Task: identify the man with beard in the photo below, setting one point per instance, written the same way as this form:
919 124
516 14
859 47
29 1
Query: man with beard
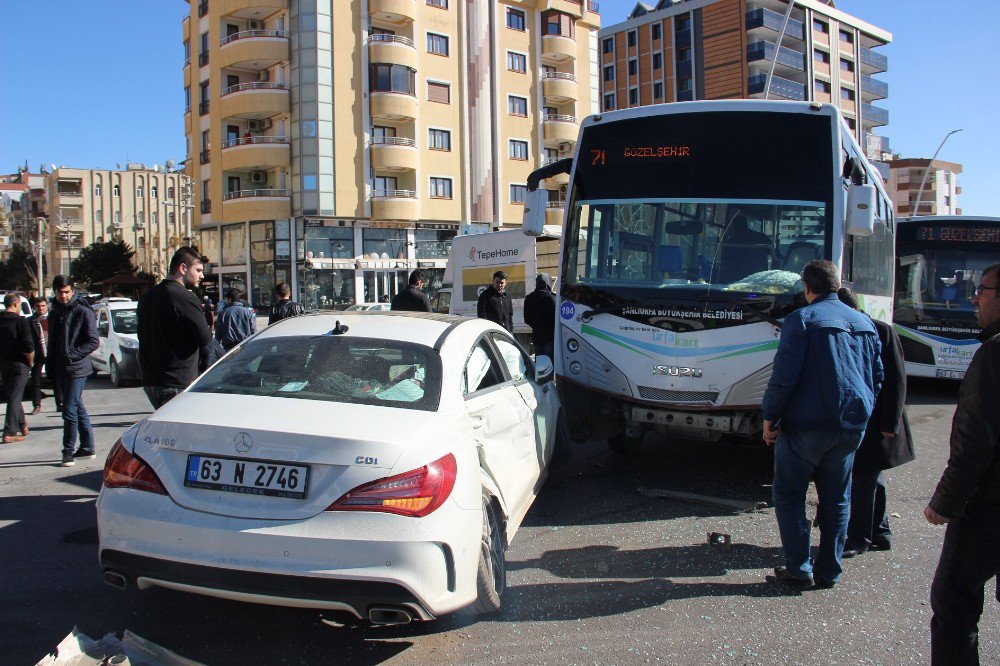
172 329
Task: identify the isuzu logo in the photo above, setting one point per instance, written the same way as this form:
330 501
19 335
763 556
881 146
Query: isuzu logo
676 371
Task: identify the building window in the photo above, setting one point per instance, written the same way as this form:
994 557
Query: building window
851 123
821 56
392 78
633 97
388 243
847 94
518 150
438 92
138 192
609 73
117 217
820 26
437 44
153 191
557 23
609 102
846 37
633 67
822 87
517 106
515 19
98 217
684 84
846 65
631 38
682 23
97 190
517 62
609 45
440 4
116 191
656 30
154 218
440 188
683 54
518 193
657 90
439 139
170 193
657 61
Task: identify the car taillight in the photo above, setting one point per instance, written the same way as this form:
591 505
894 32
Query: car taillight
415 493
124 470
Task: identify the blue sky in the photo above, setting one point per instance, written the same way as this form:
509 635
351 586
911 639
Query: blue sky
101 84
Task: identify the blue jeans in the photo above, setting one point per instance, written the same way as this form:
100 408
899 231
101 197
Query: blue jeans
827 459
76 421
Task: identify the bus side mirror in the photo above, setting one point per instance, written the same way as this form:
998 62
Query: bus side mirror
535 202
860 210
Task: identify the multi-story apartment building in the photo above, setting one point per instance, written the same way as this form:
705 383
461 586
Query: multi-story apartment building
338 145
683 50
148 208
941 189
23 202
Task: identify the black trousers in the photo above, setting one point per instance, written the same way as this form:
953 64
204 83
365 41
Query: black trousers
869 521
15 378
970 557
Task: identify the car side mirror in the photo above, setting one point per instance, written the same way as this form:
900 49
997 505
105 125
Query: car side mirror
543 369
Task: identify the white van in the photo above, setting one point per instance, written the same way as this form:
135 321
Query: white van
117 327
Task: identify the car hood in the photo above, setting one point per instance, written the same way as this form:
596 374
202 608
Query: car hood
344 446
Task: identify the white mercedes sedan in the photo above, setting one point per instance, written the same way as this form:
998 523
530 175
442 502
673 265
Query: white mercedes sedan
376 463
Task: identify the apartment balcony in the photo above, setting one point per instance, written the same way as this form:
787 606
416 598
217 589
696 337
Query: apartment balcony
250 9
393 49
767 21
394 153
254 100
780 88
187 120
873 115
393 11
393 105
559 127
572 7
789 62
556 48
254 49
872 89
187 73
560 87
873 62
256 153
262 204
395 205
186 28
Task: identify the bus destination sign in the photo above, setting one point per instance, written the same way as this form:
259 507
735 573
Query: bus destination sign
959 234
617 155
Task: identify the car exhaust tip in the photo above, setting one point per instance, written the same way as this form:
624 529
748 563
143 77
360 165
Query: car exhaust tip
115 579
388 615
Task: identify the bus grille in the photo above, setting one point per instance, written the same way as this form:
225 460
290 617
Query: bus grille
916 352
650 393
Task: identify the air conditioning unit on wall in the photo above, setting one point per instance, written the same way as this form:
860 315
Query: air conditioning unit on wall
253 125
255 25
258 177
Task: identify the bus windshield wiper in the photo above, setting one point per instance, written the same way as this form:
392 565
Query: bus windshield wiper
604 309
745 306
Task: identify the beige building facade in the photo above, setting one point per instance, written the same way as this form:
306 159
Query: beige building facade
337 146
941 189
148 208
675 51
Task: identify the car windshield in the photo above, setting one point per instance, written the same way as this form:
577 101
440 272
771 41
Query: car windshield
332 368
124 321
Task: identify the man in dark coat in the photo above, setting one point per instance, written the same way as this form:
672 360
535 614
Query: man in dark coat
40 334
284 307
887 443
236 323
540 315
172 329
968 496
495 304
412 299
17 354
72 338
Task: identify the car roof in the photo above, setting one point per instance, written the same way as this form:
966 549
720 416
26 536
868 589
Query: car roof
116 303
422 328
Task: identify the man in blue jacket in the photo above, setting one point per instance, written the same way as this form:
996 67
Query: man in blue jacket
72 337
827 372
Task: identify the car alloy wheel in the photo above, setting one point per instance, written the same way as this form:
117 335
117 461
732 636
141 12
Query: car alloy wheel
491 578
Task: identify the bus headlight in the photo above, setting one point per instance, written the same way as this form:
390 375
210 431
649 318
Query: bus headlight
576 367
573 345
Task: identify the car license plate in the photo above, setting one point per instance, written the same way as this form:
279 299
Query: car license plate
249 477
950 374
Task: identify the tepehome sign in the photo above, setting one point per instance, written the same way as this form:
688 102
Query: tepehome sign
475 254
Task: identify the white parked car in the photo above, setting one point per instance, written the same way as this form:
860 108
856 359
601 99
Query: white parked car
118 353
379 466
368 307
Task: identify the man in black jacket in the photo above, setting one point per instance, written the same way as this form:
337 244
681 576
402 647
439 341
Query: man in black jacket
887 443
495 304
172 329
17 354
40 334
412 299
284 306
540 315
72 338
968 495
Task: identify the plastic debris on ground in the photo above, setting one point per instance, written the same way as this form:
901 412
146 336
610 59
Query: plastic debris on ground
78 649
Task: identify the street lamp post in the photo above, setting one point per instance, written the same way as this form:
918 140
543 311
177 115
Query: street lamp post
39 231
923 181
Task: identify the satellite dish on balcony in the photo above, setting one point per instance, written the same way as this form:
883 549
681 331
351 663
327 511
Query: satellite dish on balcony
52 167
171 164
374 255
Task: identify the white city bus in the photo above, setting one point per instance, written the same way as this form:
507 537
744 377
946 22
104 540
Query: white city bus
685 231
940 262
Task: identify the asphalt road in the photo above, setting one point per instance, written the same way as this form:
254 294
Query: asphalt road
599 573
